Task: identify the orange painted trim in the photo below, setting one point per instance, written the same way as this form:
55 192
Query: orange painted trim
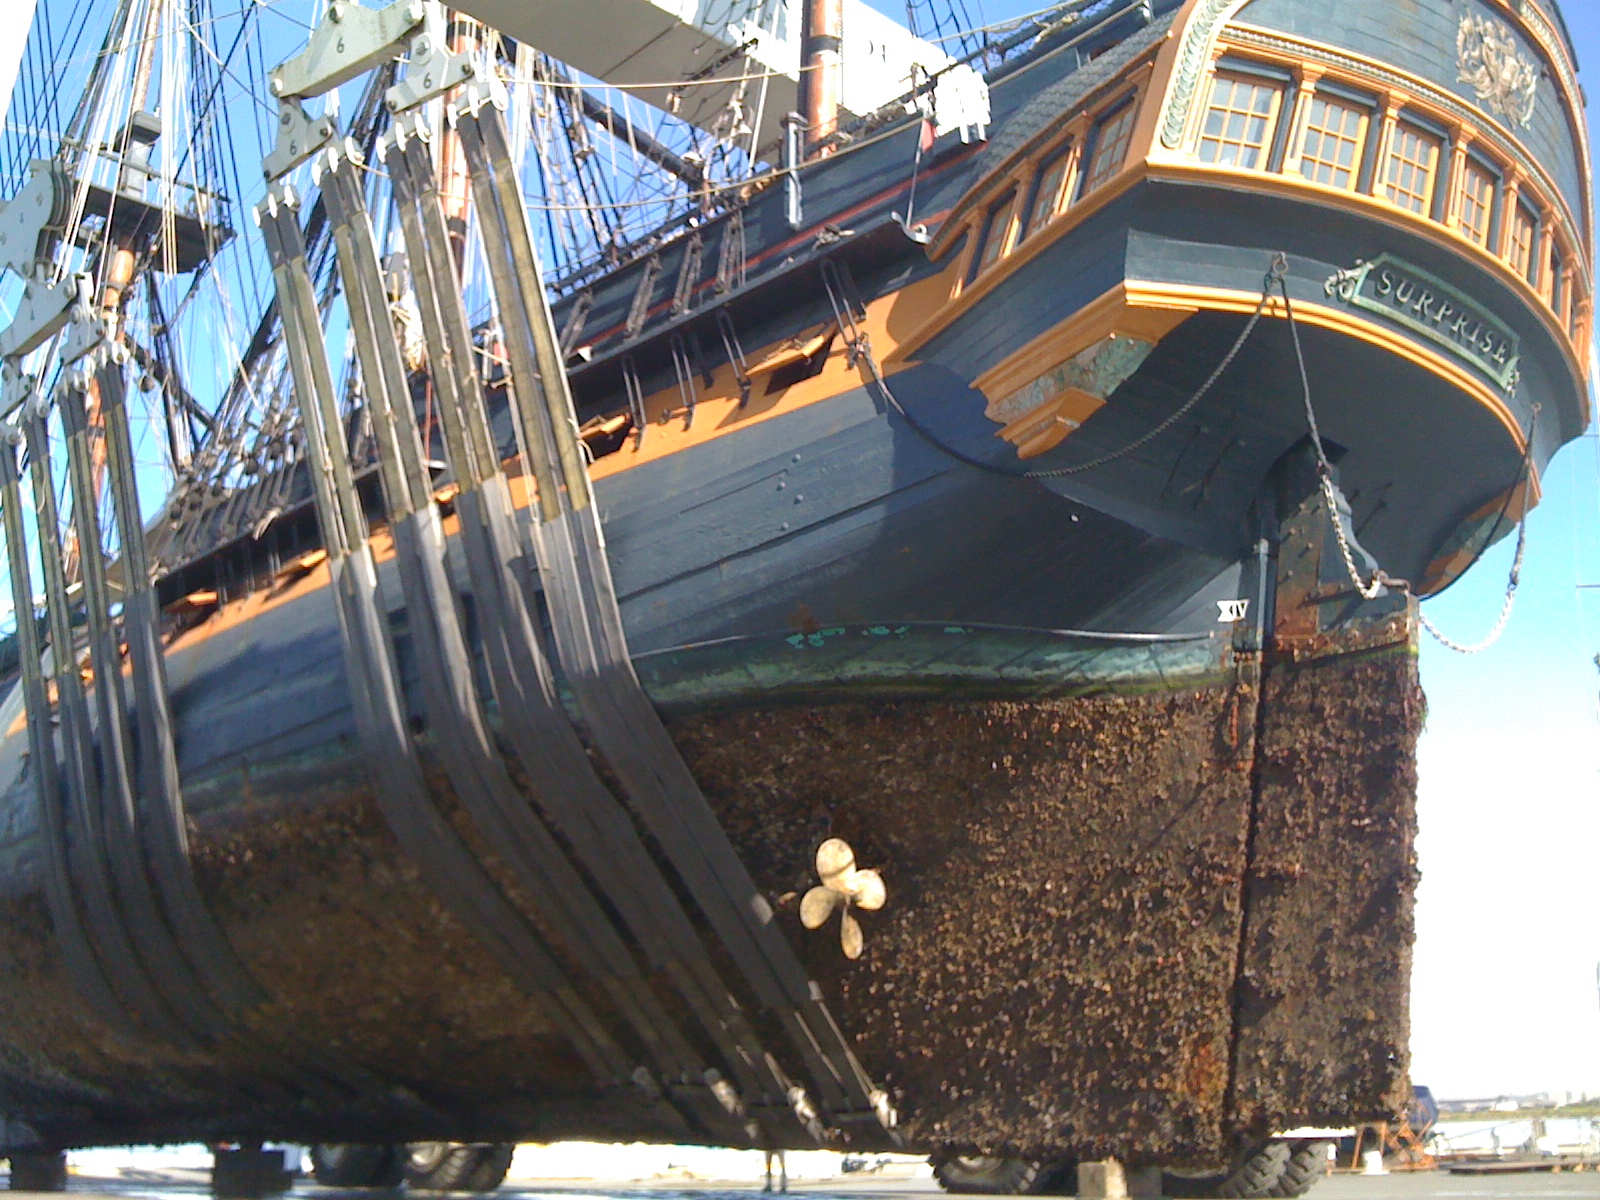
1515 503
967 214
971 293
1112 312
1543 34
717 414
1338 320
717 411
1190 172
1425 97
1379 209
809 234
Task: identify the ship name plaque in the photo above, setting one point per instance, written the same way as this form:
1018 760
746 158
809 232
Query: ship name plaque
1424 304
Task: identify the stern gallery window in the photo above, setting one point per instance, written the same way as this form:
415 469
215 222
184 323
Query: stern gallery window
1331 152
1239 123
1413 163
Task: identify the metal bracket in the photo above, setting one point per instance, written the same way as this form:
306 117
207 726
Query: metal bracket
349 41
90 343
433 68
29 219
300 135
15 388
42 311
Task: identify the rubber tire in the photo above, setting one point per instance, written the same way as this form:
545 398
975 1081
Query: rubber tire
358 1164
491 1170
977 1175
1308 1162
458 1166
1252 1178
38 1171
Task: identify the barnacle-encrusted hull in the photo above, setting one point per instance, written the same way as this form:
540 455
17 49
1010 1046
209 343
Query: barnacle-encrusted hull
1136 913
1149 893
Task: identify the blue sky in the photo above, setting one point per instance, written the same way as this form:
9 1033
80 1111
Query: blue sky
1508 920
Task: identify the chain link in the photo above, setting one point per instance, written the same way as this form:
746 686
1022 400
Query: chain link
1373 588
1276 277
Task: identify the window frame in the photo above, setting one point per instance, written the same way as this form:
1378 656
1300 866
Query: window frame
1556 286
1440 139
1269 151
1497 182
1006 203
1061 156
1086 183
1365 109
1529 274
1415 153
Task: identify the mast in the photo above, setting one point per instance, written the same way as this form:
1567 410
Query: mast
821 40
120 250
454 186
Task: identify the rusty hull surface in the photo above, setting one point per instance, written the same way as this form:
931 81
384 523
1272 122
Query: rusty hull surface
1114 928
1076 886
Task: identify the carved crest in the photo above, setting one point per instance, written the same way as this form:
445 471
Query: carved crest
1503 77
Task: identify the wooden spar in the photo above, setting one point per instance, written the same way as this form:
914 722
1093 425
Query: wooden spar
120 262
821 69
454 190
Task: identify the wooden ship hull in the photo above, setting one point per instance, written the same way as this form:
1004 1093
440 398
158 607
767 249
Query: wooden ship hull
911 552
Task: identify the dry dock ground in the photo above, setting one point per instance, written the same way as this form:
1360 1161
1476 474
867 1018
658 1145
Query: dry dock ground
191 1185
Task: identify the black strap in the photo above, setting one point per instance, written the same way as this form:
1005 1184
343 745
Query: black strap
156 943
162 826
77 948
449 866
588 631
564 782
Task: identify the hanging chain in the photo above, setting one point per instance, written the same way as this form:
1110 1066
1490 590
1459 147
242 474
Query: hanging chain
860 348
1373 588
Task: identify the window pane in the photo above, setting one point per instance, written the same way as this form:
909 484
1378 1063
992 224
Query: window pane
1413 159
999 229
1110 147
1238 126
1477 203
1524 236
1333 136
1046 195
